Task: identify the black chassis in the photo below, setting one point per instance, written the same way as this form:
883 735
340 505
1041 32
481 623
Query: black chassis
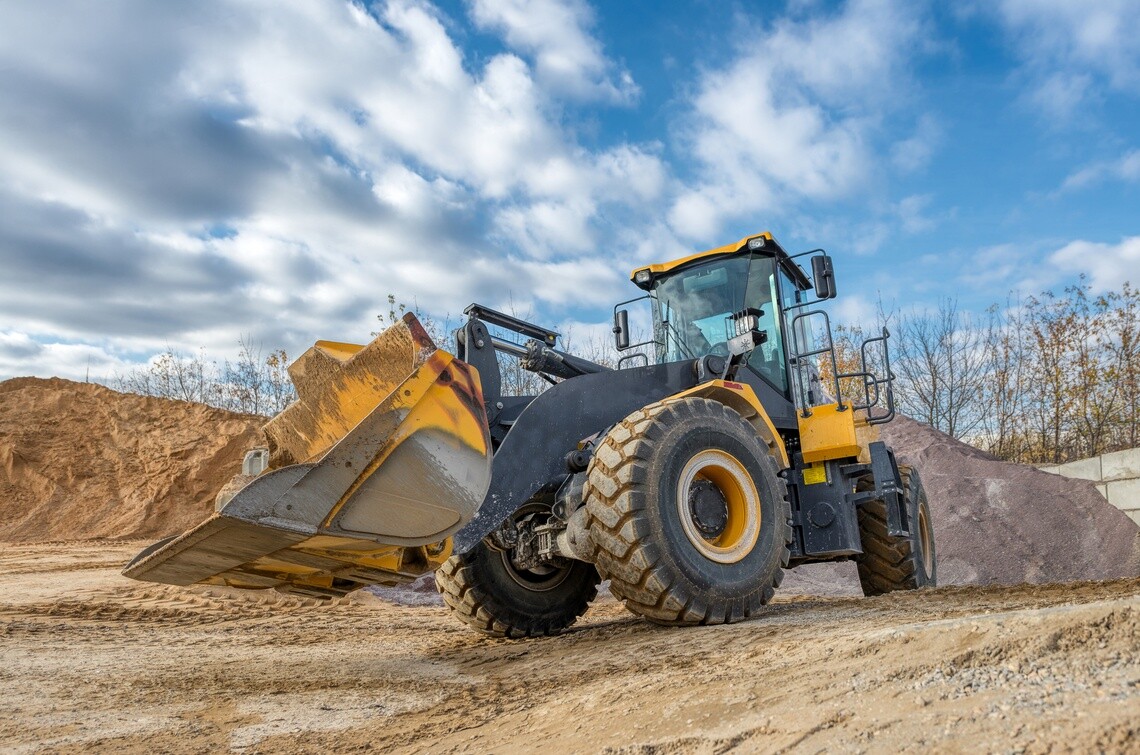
541 443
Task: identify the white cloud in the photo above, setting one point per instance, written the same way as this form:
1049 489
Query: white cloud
1073 50
794 116
915 215
275 170
74 361
555 33
546 228
996 266
854 310
1124 168
1107 265
1059 95
914 153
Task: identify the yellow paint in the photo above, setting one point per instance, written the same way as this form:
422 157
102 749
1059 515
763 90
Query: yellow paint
742 398
735 499
815 475
828 434
342 554
388 391
866 434
427 400
338 385
664 267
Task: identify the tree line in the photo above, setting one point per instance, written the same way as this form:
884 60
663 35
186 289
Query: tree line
252 384
1038 379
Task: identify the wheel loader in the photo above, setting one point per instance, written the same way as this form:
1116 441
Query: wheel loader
727 446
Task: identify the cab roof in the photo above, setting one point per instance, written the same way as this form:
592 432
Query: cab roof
767 244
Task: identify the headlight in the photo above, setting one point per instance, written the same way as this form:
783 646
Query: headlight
747 320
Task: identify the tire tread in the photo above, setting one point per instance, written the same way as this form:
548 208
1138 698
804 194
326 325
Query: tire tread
617 496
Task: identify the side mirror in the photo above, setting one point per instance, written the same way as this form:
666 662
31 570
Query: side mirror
621 329
824 275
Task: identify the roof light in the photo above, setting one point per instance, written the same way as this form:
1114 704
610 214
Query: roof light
757 243
641 277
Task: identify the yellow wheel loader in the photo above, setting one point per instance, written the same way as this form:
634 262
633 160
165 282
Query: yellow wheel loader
712 457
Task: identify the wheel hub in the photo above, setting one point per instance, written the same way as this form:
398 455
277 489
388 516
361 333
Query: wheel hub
719 506
709 509
522 561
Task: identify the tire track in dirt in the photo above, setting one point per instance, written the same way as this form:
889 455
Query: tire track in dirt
129 667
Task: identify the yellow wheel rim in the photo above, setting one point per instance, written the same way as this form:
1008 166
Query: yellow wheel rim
926 540
742 503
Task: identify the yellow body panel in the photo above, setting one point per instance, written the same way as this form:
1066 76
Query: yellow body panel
332 554
427 401
828 434
664 267
742 398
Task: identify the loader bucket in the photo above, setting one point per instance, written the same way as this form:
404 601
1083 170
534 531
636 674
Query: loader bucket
383 456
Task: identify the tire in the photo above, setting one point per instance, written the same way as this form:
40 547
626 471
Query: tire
662 560
897 563
485 591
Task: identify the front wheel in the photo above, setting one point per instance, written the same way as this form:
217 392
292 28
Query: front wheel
688 514
898 563
488 591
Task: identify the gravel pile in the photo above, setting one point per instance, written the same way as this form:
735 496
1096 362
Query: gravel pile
997 522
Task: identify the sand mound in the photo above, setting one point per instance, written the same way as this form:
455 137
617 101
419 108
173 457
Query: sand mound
80 461
999 523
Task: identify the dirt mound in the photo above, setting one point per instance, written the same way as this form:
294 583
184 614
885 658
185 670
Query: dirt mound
996 522
999 523
79 461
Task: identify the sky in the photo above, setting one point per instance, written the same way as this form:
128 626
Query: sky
185 175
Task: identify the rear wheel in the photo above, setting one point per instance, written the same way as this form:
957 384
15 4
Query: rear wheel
487 590
688 513
898 563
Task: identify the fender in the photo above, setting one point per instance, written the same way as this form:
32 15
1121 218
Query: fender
534 451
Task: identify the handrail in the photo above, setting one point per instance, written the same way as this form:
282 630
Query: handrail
829 349
873 393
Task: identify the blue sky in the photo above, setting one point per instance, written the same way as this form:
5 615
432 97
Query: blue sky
186 174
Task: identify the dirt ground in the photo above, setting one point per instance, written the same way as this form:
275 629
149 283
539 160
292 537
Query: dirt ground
92 661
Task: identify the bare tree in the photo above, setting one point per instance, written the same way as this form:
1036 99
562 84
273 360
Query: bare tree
1122 344
1007 381
174 374
941 365
396 311
250 384
256 385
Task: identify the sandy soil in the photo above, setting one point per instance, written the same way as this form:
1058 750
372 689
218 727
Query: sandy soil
90 660
79 461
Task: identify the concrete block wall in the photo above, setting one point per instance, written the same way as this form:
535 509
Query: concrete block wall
1117 476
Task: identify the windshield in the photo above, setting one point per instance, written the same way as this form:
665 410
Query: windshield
693 314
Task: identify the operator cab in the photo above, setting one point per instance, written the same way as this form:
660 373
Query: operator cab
698 301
